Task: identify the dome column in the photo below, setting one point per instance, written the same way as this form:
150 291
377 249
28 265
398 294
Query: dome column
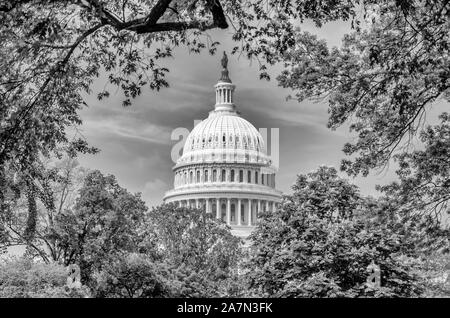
239 213
249 219
208 206
228 211
217 208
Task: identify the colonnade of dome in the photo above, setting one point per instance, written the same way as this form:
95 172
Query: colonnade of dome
211 173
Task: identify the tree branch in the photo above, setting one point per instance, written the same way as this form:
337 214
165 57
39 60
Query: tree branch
149 23
157 11
171 26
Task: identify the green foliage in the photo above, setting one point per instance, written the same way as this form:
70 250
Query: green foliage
197 245
318 244
56 189
325 194
193 237
386 74
424 175
435 272
183 253
90 221
22 278
138 275
132 276
122 249
105 220
300 252
382 80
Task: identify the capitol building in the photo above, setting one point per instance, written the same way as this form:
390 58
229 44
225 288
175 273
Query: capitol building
224 168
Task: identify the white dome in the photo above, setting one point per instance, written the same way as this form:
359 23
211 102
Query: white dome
224 169
224 137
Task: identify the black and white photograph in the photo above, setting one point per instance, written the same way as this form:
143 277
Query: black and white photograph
224 155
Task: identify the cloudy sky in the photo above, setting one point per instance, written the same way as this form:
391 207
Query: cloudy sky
135 142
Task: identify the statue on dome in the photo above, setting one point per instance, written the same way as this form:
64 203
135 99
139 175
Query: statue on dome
224 60
225 77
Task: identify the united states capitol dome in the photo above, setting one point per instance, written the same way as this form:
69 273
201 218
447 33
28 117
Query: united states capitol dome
224 137
225 169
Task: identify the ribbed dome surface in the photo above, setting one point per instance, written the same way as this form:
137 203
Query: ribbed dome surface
224 137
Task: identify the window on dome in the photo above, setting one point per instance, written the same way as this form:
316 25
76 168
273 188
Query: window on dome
256 177
191 177
224 212
241 176
262 178
232 175
224 175
223 139
206 175
198 176
249 176
214 175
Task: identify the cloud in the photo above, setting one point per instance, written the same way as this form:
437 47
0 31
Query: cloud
127 129
151 186
153 191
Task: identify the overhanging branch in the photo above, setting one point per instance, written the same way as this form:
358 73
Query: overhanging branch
149 24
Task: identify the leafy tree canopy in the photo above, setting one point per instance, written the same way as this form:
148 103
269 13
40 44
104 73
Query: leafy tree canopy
196 241
381 81
184 253
300 251
424 175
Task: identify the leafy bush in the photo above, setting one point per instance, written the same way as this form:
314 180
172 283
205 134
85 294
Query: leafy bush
22 278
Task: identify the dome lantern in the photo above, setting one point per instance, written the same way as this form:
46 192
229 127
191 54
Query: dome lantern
224 89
